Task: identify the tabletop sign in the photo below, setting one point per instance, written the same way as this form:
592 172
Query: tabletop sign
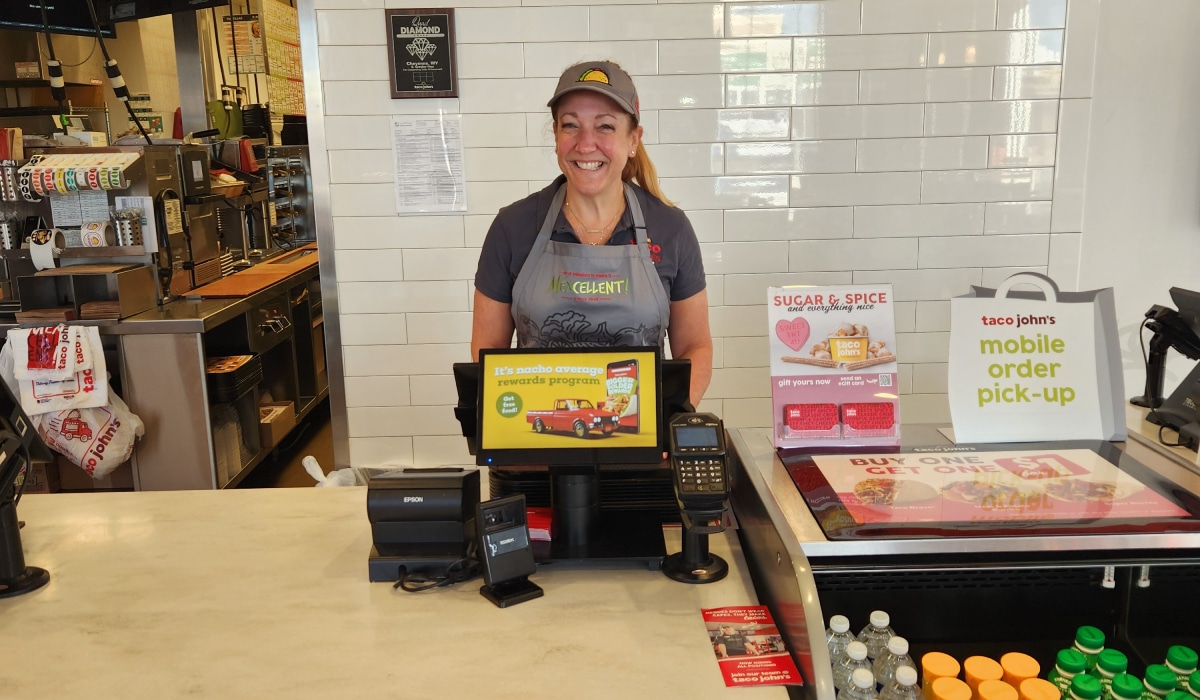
833 365
421 50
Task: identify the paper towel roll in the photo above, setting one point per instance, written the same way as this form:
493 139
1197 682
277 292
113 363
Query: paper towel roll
45 244
97 234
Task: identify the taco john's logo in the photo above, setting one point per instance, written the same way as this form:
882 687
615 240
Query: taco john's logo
593 75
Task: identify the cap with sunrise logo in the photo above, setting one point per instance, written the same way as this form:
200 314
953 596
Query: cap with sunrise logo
604 77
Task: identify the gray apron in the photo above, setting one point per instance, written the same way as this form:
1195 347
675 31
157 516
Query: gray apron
572 295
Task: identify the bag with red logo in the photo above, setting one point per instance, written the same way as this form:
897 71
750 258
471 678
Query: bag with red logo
50 352
97 439
43 390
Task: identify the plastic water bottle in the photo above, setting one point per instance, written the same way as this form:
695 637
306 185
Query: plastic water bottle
1181 660
854 659
876 634
1109 663
1089 641
838 637
903 685
896 656
862 686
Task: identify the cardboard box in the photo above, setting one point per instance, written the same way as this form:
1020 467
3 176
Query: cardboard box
72 477
79 95
42 478
275 419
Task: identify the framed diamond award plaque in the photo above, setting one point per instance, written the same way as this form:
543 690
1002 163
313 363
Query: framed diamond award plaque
421 51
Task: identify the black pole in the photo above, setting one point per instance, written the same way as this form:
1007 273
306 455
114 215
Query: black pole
15 577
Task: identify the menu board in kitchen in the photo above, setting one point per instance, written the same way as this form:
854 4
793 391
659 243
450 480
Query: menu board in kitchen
833 366
1046 488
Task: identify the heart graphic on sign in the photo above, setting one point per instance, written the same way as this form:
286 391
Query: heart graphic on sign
793 333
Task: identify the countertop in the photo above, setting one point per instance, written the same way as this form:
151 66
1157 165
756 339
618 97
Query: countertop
264 594
197 315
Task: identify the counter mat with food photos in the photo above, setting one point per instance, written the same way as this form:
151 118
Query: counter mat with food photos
990 490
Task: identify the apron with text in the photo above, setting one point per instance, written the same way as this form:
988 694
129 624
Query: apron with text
573 295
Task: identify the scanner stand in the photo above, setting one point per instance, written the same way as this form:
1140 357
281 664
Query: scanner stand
511 592
695 564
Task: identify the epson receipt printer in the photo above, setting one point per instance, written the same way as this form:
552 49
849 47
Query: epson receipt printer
421 519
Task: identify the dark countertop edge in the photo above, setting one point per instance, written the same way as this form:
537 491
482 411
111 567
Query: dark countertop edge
206 314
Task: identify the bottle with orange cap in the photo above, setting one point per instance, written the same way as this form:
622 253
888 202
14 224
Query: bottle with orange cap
977 669
1041 689
935 665
1018 667
995 690
948 689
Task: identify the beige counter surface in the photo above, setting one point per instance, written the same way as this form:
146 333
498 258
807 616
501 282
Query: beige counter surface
264 594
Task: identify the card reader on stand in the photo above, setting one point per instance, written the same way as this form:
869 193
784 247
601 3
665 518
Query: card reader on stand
421 519
702 490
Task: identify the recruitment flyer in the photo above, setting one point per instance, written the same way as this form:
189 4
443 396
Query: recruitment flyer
749 647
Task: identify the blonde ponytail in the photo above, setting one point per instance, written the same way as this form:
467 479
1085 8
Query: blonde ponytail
641 170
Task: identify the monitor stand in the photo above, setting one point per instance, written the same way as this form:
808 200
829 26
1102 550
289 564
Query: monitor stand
581 531
1179 411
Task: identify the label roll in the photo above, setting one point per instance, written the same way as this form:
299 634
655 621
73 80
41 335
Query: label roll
45 245
97 234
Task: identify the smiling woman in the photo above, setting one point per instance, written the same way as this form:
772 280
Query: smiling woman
600 258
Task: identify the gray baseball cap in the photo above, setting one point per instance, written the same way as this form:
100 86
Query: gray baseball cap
604 77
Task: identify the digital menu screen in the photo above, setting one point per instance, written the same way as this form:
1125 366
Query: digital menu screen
1043 489
595 399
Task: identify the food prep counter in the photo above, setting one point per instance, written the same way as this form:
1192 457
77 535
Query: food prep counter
988 591
195 439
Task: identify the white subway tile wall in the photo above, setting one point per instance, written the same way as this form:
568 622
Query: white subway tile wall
928 144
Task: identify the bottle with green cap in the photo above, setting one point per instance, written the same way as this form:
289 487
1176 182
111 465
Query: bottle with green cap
1159 681
1068 664
1179 695
1125 686
1085 687
1109 663
1181 660
1089 641
1194 684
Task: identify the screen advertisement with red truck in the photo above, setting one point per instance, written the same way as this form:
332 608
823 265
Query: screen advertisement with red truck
562 399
